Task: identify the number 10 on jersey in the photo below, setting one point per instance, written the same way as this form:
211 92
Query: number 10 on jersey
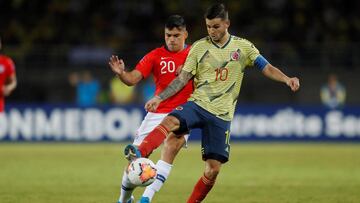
221 74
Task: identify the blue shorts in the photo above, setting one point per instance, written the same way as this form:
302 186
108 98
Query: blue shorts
215 131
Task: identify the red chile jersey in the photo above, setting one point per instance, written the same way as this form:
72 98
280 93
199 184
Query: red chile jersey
7 68
163 65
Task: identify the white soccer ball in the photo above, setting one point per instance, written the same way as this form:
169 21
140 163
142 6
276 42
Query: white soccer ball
142 172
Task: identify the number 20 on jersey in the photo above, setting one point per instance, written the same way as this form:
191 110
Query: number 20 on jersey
167 67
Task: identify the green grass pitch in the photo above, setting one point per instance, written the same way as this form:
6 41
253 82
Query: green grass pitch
256 173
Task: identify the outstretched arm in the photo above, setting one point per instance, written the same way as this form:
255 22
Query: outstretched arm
275 74
176 85
118 67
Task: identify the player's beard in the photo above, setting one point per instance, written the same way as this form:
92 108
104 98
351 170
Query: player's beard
173 47
218 38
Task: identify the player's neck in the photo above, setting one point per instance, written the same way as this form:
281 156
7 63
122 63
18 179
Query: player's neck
183 47
223 40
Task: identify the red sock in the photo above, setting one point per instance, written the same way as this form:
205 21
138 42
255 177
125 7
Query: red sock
153 140
201 189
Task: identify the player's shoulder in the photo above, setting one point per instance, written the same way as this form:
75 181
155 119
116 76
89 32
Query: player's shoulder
156 52
201 43
241 40
6 59
243 43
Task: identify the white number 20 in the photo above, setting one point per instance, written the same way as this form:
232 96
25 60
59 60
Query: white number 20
168 66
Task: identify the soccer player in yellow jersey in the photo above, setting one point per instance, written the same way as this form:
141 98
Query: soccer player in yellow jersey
216 63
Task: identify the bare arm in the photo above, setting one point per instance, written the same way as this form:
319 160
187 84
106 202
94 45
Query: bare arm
118 67
275 74
176 85
130 78
10 85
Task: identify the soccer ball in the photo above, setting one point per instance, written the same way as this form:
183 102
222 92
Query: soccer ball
142 172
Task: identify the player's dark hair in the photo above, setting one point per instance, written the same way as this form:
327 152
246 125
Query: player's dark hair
175 21
217 11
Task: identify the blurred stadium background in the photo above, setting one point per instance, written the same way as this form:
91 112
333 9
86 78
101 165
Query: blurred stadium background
53 39
50 39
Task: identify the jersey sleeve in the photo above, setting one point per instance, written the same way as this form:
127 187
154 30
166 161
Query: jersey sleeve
145 65
190 64
10 67
251 53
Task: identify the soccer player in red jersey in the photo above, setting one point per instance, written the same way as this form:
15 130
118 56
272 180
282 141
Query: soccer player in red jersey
7 78
163 63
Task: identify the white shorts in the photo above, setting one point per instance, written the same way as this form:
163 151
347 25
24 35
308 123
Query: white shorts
150 121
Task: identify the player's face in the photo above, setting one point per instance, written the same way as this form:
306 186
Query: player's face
217 28
175 39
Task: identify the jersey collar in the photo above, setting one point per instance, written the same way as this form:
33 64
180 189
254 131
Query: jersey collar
165 46
221 47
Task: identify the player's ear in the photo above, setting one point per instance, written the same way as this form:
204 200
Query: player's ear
186 34
227 23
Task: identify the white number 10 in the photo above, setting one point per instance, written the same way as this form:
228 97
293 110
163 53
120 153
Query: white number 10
167 67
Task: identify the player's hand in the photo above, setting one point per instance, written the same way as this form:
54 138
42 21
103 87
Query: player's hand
117 65
152 104
293 83
6 91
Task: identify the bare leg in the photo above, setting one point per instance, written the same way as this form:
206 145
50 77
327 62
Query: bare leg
172 146
206 182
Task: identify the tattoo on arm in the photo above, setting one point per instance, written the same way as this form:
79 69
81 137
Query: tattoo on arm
176 85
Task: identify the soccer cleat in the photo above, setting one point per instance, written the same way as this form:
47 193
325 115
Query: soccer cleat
131 200
144 200
132 152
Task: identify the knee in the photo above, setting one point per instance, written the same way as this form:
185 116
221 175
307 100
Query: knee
171 123
211 171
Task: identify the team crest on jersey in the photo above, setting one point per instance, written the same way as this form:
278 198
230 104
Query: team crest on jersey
235 55
2 69
179 108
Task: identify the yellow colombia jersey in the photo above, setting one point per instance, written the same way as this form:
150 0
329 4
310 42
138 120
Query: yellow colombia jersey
218 73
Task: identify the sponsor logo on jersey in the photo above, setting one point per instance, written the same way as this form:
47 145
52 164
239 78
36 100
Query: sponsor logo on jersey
163 58
179 108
